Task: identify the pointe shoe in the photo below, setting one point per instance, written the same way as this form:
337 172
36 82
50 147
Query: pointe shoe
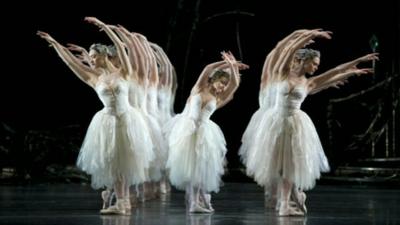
105 195
117 209
196 208
113 210
208 202
289 210
302 201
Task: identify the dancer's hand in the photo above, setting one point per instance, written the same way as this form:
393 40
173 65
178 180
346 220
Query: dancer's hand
75 48
322 34
46 37
363 71
95 21
369 57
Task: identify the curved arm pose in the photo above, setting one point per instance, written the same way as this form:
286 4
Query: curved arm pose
282 137
196 144
114 153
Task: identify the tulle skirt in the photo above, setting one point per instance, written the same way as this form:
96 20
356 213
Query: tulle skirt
285 145
115 147
248 135
196 153
160 148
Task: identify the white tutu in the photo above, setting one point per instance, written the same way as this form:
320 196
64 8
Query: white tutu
117 143
267 100
196 147
164 105
160 149
285 144
146 101
160 144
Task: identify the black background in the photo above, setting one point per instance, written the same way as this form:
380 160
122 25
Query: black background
39 92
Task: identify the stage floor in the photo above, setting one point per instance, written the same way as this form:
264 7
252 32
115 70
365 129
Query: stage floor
237 203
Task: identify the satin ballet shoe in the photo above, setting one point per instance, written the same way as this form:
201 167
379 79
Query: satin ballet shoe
289 211
105 195
208 202
196 208
118 209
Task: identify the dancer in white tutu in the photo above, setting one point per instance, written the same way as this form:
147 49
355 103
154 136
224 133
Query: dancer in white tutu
197 144
117 149
144 94
166 90
281 145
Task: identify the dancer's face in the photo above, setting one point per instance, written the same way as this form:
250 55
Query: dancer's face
97 59
220 85
311 65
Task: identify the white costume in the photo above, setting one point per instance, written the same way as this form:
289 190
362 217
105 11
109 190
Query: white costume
117 143
281 140
197 147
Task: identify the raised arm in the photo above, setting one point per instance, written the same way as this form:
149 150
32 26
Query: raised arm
340 73
283 64
121 52
126 38
162 70
153 71
81 53
234 81
139 54
166 71
273 56
85 73
202 81
334 85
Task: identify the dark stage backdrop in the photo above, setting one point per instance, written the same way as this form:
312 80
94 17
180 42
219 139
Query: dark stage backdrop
42 100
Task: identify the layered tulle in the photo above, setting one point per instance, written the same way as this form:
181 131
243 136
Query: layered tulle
196 154
267 100
160 148
288 147
197 148
281 141
116 146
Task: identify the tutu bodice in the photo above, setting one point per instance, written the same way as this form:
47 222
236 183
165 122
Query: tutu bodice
289 101
137 95
117 143
113 95
200 113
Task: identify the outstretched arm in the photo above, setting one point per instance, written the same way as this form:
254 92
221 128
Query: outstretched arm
334 85
166 69
86 74
138 54
283 63
126 38
273 56
83 55
153 71
340 73
122 55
